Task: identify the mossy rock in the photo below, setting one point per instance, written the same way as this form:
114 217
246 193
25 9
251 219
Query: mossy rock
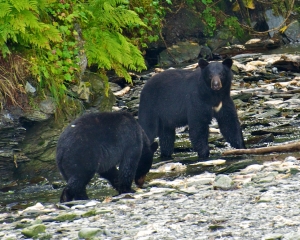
34 230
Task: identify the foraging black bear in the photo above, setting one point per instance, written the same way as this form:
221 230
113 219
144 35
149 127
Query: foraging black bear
175 98
97 143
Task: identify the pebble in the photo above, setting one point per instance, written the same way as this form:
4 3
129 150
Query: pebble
204 206
258 202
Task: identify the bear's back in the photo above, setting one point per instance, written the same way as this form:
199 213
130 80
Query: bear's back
93 132
173 84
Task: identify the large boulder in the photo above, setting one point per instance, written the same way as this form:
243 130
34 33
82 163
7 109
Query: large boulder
179 53
293 32
181 25
273 21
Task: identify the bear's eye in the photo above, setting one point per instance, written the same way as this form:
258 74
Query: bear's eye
221 74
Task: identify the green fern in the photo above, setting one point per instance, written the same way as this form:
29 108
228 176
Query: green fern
44 30
105 45
5 9
20 24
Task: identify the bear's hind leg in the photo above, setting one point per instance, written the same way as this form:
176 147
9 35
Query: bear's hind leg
75 189
166 141
199 137
66 195
112 175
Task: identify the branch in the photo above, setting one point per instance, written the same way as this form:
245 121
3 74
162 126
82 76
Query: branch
290 147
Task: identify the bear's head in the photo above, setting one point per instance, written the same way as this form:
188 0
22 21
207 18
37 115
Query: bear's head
145 163
216 75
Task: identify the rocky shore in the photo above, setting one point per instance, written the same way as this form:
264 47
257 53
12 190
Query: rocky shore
254 198
260 201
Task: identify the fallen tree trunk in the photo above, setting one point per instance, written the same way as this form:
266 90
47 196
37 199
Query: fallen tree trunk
290 147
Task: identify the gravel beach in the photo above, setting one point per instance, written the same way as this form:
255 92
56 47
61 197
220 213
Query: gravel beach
258 202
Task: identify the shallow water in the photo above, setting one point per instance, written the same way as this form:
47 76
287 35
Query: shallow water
293 48
27 193
24 192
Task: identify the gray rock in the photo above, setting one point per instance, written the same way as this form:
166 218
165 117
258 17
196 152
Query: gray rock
114 87
179 53
273 21
292 236
273 236
291 159
265 178
293 31
48 106
29 88
34 231
223 182
89 233
36 115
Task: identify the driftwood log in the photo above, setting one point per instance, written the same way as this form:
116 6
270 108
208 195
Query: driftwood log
290 147
122 92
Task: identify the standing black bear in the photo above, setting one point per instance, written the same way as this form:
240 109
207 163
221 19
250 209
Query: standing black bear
175 98
96 143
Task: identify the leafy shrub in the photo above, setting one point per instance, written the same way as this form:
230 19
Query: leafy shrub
53 35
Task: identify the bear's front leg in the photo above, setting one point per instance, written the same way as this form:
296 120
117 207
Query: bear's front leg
229 124
127 169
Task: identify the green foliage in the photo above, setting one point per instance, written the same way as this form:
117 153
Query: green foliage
206 2
210 19
19 24
214 17
105 44
54 34
207 14
152 13
192 2
56 68
279 7
297 9
232 23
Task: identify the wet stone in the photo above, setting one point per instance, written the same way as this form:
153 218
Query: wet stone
273 236
223 182
269 113
88 233
34 231
265 178
247 197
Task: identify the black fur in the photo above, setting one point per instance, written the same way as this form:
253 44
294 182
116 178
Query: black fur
176 98
97 143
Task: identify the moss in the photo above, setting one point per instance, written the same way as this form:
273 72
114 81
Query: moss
34 230
90 213
66 217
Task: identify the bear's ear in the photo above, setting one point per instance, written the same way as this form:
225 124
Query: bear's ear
228 62
202 63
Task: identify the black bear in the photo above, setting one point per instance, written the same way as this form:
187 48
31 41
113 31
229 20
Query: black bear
97 143
179 97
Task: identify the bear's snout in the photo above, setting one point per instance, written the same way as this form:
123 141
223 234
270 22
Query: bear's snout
216 83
